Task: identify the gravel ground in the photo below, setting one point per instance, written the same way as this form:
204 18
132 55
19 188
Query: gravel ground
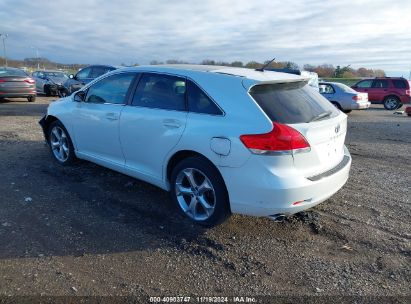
86 230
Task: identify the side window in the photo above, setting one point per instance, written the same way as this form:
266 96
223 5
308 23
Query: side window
35 74
400 84
98 71
365 84
380 83
112 89
83 74
327 89
199 102
161 92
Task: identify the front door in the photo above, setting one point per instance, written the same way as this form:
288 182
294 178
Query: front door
96 120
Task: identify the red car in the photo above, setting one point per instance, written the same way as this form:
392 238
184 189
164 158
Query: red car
392 92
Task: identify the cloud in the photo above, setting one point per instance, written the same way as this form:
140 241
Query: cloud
371 33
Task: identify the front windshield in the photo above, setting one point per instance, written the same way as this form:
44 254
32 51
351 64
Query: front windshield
55 74
345 88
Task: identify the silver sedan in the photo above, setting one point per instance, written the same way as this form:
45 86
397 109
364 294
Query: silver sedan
343 97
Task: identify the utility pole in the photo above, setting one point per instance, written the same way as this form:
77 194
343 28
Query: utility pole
4 36
37 56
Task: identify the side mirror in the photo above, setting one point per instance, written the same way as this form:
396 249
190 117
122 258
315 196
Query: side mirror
79 96
71 76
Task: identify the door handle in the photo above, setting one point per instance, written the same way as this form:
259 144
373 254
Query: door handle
112 116
172 123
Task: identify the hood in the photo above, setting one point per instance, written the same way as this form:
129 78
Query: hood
56 80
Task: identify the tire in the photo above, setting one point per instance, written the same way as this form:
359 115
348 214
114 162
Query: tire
61 146
63 92
347 111
204 199
337 105
399 106
31 98
391 103
47 90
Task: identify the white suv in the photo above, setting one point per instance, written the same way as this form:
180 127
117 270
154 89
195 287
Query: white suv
222 140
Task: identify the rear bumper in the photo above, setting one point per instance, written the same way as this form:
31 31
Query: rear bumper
17 95
405 99
266 191
361 105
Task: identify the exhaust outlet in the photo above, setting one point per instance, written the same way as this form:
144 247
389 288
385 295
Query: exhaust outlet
278 218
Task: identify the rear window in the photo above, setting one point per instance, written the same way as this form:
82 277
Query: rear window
345 88
291 103
12 72
400 84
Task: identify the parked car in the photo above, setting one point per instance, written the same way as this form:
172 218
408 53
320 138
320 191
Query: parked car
49 82
15 83
343 97
84 76
392 92
222 140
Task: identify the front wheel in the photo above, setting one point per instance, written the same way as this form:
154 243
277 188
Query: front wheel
198 189
60 143
63 92
391 103
31 98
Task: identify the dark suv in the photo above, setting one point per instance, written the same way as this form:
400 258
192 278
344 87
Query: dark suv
392 92
84 76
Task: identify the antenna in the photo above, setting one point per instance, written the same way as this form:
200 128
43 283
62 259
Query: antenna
265 65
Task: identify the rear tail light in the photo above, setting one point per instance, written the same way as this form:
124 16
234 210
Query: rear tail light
30 80
2 80
408 92
357 97
282 139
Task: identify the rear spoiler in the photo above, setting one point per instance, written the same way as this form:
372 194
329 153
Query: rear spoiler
250 83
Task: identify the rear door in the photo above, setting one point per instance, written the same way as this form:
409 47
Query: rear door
379 90
96 120
153 123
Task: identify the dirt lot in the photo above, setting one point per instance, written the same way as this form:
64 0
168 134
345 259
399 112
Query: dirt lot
86 230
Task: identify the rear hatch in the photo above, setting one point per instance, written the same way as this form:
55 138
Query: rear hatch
304 109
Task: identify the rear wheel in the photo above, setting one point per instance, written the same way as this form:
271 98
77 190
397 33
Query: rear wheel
60 143
391 103
31 98
337 105
198 190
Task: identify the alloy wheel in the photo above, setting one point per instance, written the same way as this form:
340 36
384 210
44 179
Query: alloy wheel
391 103
195 194
59 144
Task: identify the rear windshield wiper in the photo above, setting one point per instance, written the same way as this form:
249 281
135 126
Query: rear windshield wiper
320 116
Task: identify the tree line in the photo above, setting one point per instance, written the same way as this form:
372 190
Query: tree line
323 70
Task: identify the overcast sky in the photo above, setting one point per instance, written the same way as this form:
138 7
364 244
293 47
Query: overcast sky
373 34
